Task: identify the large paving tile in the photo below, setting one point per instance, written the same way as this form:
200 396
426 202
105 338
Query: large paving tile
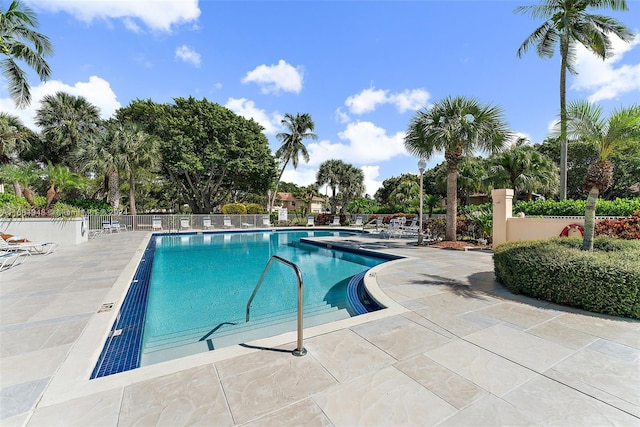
261 382
457 324
187 398
72 303
97 410
402 339
519 314
622 331
562 334
484 368
489 411
24 340
520 347
20 398
385 398
346 355
611 374
548 402
453 303
456 390
31 366
305 413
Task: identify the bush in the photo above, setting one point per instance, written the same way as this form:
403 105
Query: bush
617 207
623 228
605 280
234 209
90 206
254 208
327 219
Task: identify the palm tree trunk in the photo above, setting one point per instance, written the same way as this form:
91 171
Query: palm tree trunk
452 201
113 194
17 190
563 119
51 193
27 195
132 193
590 219
275 190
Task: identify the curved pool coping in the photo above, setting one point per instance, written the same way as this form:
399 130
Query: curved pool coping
72 381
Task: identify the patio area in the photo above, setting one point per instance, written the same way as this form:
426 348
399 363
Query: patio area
454 349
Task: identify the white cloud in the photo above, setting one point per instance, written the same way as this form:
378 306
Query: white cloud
188 55
300 176
158 16
341 116
97 91
273 78
601 78
248 109
363 142
370 183
369 99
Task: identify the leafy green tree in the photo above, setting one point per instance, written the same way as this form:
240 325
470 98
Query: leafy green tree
67 122
586 121
458 126
23 176
524 170
20 41
567 23
208 152
363 205
59 178
626 173
330 173
299 128
406 192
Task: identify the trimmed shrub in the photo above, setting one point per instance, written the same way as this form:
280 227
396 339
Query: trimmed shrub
234 209
254 208
617 207
327 219
605 280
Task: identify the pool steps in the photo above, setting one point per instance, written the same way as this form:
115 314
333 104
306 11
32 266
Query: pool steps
188 342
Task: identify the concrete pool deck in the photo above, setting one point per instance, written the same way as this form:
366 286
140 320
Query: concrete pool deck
455 349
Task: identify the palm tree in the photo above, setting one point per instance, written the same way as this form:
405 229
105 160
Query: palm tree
139 150
67 121
329 173
22 176
351 185
586 122
59 178
524 169
14 138
19 41
299 128
568 24
458 126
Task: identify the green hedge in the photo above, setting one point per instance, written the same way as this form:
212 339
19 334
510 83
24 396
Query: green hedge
617 207
605 280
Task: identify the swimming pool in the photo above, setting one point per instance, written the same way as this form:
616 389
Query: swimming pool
198 285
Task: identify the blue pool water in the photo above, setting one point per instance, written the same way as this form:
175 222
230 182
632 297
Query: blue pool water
197 287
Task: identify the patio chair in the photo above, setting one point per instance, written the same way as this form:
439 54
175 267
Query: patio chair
156 224
206 222
336 221
311 221
377 222
226 222
411 230
247 225
184 223
31 248
115 227
266 221
106 226
9 259
358 222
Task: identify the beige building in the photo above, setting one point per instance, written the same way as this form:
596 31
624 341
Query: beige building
292 203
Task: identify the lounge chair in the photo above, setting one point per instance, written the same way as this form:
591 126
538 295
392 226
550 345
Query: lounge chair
358 222
39 248
377 222
156 224
266 221
311 221
9 259
106 226
336 221
206 222
184 223
226 222
115 227
411 230
248 225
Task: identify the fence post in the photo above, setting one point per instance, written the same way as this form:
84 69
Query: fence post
502 211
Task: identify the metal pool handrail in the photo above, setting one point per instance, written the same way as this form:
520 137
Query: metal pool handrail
300 350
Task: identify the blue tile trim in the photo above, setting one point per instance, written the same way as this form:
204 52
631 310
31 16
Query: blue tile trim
352 293
121 352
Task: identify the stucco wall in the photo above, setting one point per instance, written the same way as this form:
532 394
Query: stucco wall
62 231
537 228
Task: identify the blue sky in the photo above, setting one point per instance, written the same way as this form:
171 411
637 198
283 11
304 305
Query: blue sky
360 68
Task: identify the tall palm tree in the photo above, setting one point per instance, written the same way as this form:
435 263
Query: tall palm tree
59 178
458 126
20 41
587 122
67 121
299 128
329 173
568 24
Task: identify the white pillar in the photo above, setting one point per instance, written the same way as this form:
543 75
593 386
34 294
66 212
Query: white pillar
502 211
